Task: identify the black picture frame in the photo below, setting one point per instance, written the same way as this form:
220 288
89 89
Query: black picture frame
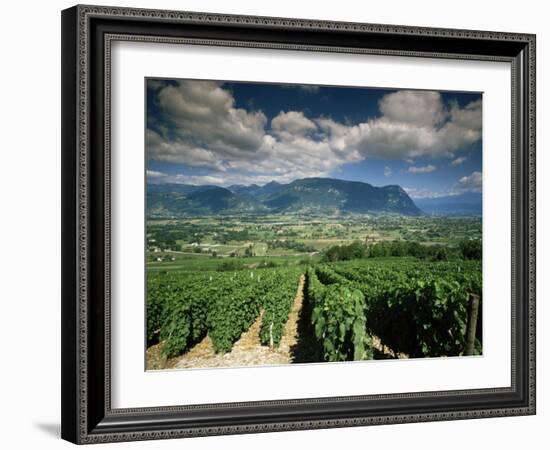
87 33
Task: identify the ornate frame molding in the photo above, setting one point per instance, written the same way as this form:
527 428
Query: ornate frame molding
86 421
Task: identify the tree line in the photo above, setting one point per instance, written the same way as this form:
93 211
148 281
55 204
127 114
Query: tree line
467 249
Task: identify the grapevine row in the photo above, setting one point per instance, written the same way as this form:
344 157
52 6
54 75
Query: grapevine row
338 318
278 302
416 309
183 309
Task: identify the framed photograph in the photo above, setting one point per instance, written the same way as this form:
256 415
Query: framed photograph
281 224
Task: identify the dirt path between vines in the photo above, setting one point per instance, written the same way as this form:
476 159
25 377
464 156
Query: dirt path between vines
384 352
247 351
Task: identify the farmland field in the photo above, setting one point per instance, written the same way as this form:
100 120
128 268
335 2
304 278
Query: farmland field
235 293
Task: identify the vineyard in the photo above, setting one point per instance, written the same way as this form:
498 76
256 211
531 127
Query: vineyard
351 310
417 309
182 309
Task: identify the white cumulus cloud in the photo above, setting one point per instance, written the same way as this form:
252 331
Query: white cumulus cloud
471 183
291 124
422 108
422 169
458 161
413 124
201 127
203 113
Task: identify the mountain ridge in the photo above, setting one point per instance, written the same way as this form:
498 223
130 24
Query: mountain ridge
305 195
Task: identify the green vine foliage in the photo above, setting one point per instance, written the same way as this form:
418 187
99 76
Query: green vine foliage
183 308
418 309
234 309
278 302
414 307
338 317
177 311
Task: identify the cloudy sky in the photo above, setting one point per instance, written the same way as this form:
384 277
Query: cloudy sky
206 132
